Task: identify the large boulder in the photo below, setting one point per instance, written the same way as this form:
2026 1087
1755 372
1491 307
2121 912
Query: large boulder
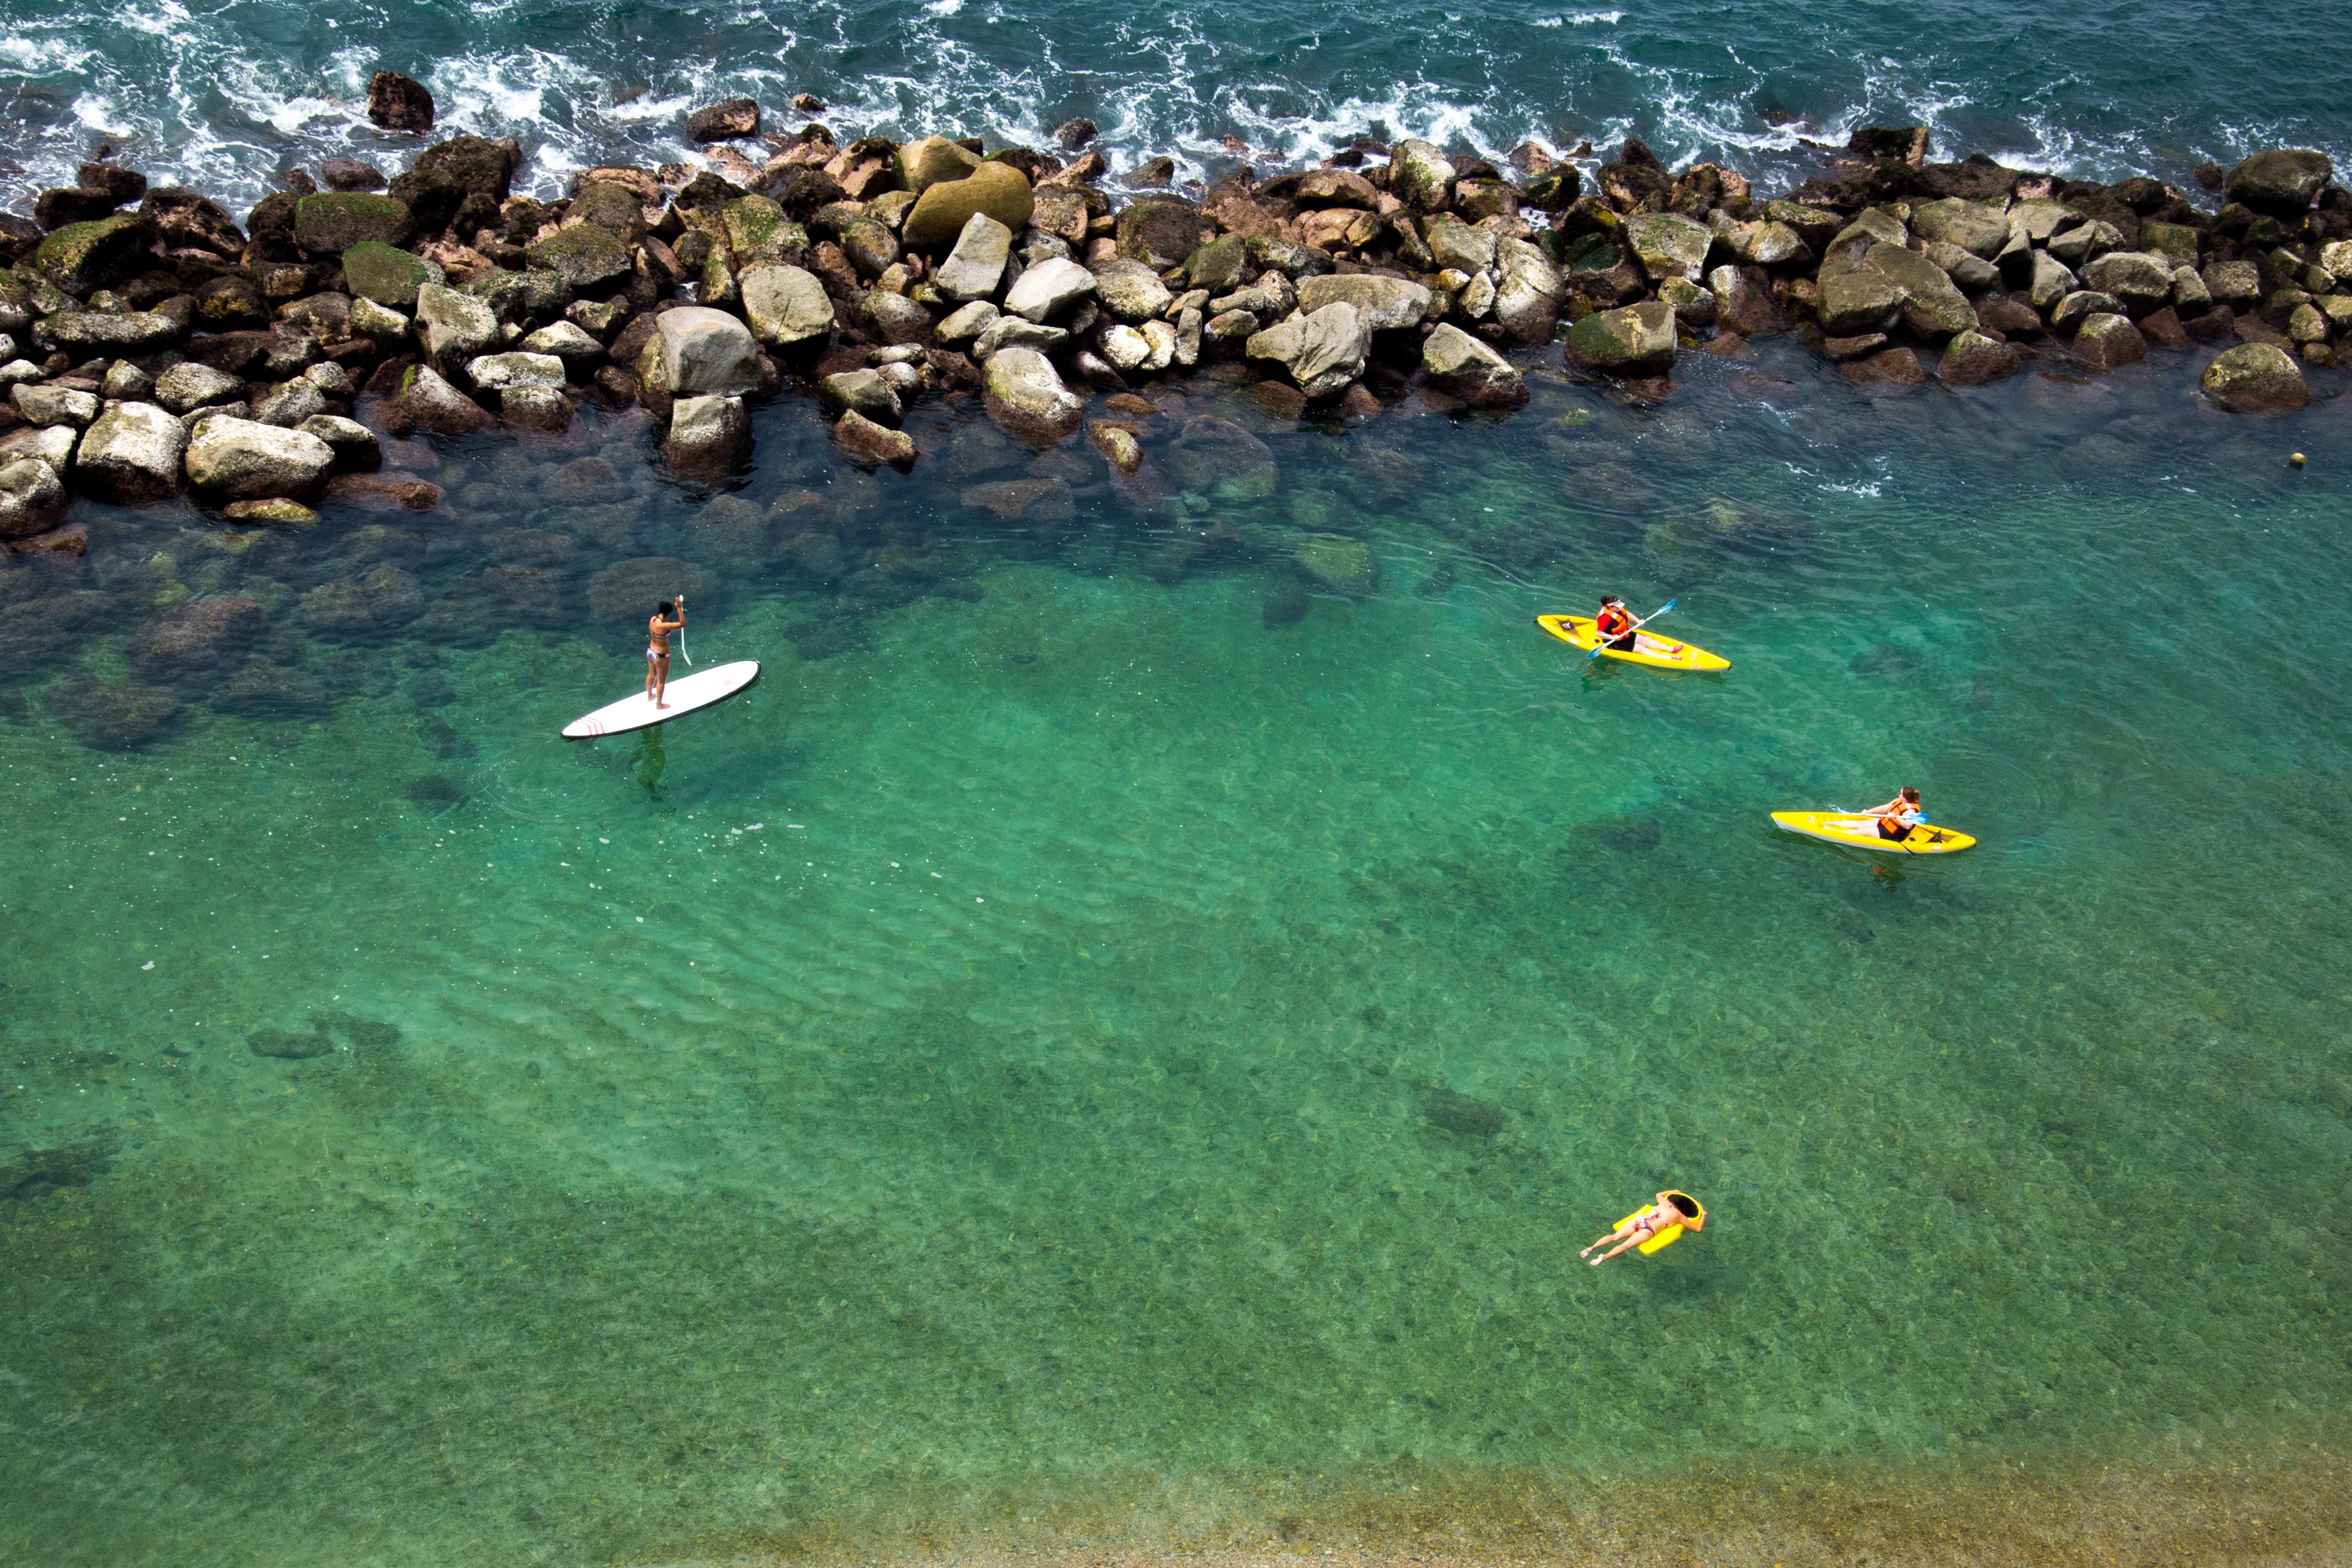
1460 245
243 459
1635 341
974 269
1457 362
2283 181
759 232
2107 340
1047 287
1933 304
707 436
728 121
454 327
328 223
2052 282
191 385
1129 290
1527 295
86 334
1973 227
474 163
2141 280
940 212
132 454
32 498
386 274
1856 300
396 102
2255 378
1023 393
1386 304
1321 350
696 351
1669 245
1420 176
785 305
1160 232
514 370
83 256
586 256
1973 359
934 161
427 400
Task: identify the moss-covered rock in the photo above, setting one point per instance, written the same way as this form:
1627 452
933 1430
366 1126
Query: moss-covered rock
84 256
329 223
2255 378
1339 563
999 190
1636 340
759 233
1160 233
584 256
385 274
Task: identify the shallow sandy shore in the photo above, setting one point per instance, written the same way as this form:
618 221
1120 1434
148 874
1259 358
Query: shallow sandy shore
2277 1500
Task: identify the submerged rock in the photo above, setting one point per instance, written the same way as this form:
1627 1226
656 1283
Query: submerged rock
1339 563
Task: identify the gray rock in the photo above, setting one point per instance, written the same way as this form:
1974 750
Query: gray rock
379 322
1765 244
83 333
2107 340
2080 244
1459 245
2141 280
2052 282
865 391
894 318
429 401
1635 341
708 433
1856 300
1459 363
2280 180
1669 245
54 406
1188 336
566 342
1693 306
1478 297
331 379
1740 305
1045 288
2070 313
1017 332
785 305
974 269
2255 378
126 382
696 352
1871 226
536 408
353 444
51 443
453 327
1131 291
290 402
32 498
1973 359
515 369
1161 336
968 320
1228 329
241 459
1420 176
1124 348
1386 304
1023 394
1321 350
2188 291
2041 219
1971 273
2232 284
192 385
1971 226
1932 304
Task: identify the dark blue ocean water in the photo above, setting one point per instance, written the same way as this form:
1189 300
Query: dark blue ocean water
224 94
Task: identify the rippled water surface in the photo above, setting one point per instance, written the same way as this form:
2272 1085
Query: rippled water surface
224 93
1098 1013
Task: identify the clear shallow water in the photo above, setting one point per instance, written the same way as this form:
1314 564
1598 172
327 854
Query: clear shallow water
221 93
1086 1034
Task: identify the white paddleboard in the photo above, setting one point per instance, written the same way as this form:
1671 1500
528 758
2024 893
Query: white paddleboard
700 690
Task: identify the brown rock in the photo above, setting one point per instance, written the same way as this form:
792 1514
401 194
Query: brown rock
864 441
397 103
727 121
1893 368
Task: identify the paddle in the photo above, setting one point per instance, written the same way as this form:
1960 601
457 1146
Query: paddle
1600 648
681 631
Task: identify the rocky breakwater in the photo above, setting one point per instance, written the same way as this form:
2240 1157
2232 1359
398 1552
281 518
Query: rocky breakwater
151 342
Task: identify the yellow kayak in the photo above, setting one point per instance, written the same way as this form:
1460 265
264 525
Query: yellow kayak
1657 652
1862 833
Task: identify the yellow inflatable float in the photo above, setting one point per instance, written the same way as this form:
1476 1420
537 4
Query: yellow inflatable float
1673 1233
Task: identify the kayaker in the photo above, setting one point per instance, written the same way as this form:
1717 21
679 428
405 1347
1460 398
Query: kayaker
1898 817
1614 625
1669 1208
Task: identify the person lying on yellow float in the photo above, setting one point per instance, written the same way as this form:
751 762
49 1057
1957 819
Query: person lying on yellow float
1651 1228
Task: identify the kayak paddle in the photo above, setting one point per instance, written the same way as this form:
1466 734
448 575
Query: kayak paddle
1598 649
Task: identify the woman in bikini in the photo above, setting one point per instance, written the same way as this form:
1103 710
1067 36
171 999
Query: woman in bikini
1671 1208
657 632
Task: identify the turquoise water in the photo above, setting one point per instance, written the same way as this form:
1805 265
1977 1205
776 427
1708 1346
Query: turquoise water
1095 1023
